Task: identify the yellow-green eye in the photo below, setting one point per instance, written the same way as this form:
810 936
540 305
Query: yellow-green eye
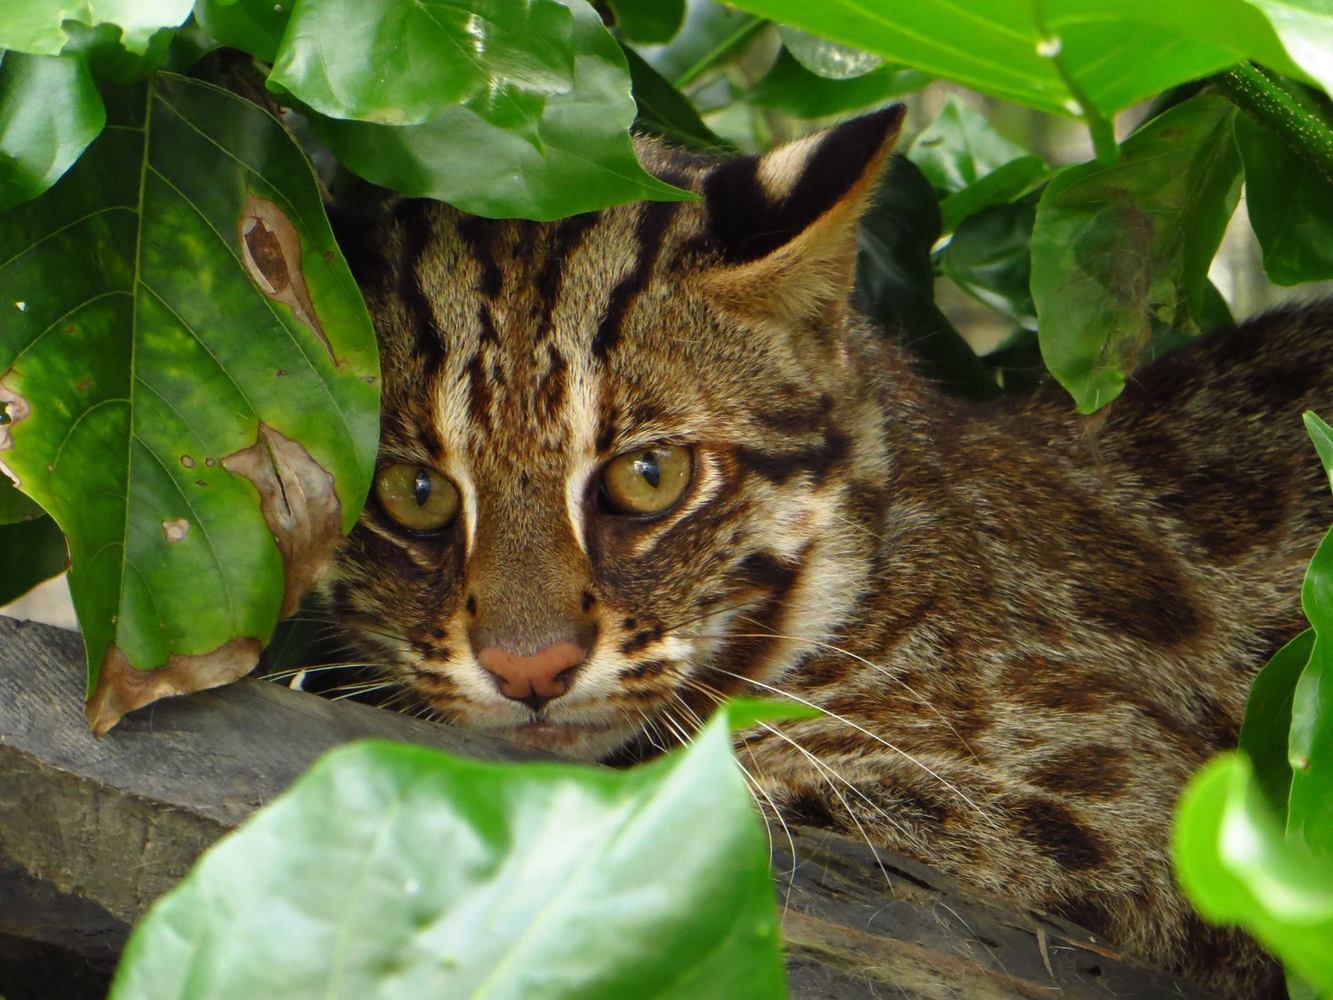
418 498
648 480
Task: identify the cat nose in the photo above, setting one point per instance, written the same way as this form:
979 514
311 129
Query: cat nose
536 679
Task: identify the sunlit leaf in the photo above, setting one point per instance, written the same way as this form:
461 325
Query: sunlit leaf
40 26
1121 253
1290 203
1238 867
400 62
792 88
827 59
49 111
470 879
575 157
960 146
180 329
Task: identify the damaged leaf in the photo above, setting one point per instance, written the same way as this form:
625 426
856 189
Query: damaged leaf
183 299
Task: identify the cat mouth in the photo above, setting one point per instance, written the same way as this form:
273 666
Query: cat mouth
569 739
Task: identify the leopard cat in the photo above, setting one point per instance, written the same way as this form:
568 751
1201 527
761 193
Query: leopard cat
639 460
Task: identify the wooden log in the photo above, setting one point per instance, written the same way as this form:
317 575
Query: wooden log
92 831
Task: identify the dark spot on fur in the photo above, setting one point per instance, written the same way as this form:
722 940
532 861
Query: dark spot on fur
778 467
648 668
1086 771
1052 828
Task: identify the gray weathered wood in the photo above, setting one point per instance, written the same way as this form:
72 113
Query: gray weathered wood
92 831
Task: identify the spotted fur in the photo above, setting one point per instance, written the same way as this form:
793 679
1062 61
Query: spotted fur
1027 628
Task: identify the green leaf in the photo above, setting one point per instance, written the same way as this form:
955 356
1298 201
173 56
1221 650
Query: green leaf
400 62
791 88
579 157
1310 744
1237 867
459 878
1092 57
254 26
1264 734
38 26
1306 30
825 58
999 187
959 147
1120 254
895 281
30 552
745 712
988 257
141 360
710 34
14 506
664 110
1290 203
648 21
49 111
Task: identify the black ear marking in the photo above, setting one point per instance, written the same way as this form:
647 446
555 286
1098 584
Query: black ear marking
750 222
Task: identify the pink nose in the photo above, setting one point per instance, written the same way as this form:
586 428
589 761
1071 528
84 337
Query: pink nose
536 679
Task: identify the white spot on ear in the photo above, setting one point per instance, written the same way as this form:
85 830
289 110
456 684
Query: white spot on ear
779 170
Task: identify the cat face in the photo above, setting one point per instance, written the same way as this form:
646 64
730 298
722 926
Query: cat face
625 456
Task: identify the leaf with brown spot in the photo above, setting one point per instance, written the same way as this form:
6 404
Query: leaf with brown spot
165 278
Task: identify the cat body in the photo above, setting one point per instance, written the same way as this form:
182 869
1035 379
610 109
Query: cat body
1027 628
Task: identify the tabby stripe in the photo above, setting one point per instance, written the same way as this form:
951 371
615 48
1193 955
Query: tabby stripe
551 391
778 467
429 343
653 219
568 235
476 233
478 391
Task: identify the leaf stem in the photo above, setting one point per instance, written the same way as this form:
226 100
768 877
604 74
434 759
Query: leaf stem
1301 128
719 52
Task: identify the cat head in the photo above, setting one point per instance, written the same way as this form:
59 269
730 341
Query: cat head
626 457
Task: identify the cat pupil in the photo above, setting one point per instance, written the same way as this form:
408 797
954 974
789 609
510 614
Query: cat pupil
646 466
421 488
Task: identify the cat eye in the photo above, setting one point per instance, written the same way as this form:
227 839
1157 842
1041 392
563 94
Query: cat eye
647 480
418 498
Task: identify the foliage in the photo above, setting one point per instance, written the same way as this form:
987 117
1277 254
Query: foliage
182 340
396 871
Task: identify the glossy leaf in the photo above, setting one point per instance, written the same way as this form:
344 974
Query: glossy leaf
710 32
1115 52
895 280
988 258
474 879
49 111
176 308
791 88
648 21
254 26
1237 867
576 157
40 26
1120 254
1310 746
664 110
400 62
30 552
1290 203
1267 726
959 147
825 58
999 187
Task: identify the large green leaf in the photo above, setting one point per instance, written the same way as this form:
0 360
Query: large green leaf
1120 254
397 871
41 26
399 62
1310 746
1063 56
792 88
988 257
827 59
49 111
1290 203
576 157
254 26
1237 867
14 506
30 552
1265 733
191 386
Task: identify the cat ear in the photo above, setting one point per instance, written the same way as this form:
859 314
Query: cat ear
786 221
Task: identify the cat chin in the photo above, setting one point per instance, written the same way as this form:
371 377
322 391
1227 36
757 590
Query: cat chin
574 740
